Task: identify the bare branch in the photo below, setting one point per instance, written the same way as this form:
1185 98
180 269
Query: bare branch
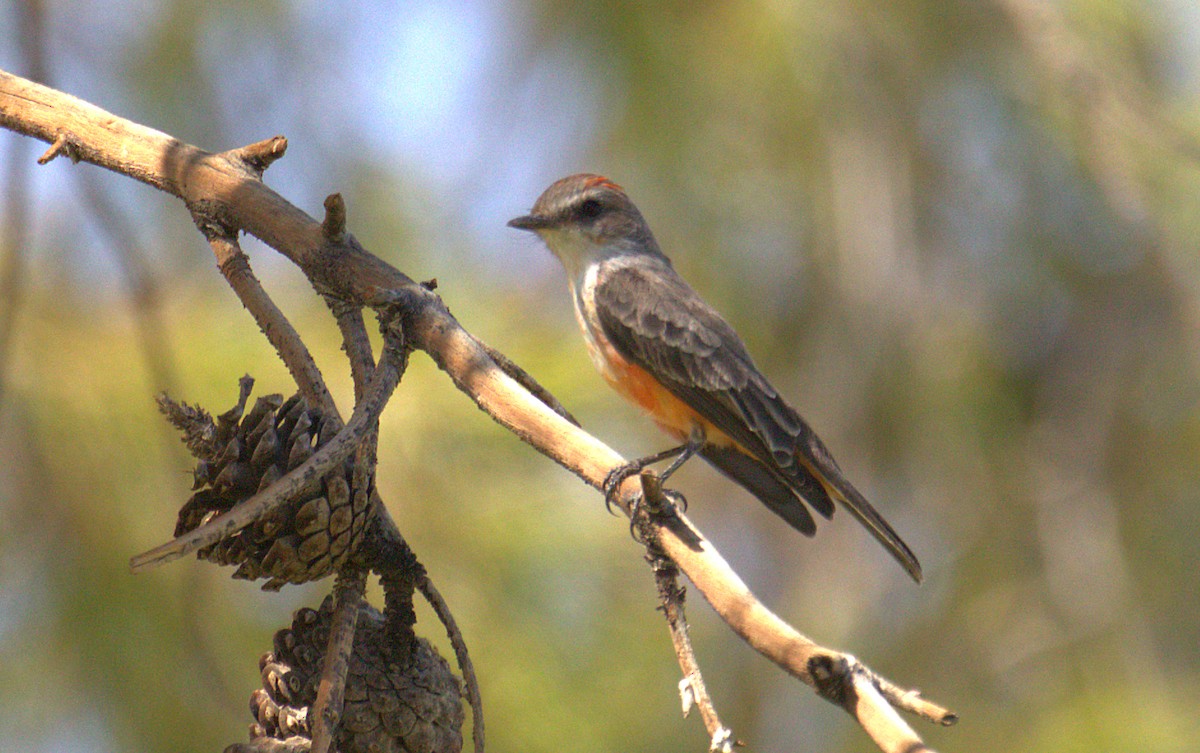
470 679
692 690
235 266
355 341
222 189
331 689
358 349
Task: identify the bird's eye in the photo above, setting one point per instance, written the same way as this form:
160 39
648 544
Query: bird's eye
590 208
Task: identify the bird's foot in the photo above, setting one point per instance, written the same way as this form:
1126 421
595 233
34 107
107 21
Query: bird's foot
652 503
612 482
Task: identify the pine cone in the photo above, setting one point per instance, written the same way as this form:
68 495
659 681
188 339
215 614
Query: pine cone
399 699
306 538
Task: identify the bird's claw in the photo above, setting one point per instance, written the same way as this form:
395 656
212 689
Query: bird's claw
614 479
665 501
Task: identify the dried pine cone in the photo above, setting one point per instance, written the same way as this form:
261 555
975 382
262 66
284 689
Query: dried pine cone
304 539
399 699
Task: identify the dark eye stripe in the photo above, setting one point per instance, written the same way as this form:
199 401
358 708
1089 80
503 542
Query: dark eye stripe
589 208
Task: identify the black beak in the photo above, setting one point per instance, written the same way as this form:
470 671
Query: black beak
529 222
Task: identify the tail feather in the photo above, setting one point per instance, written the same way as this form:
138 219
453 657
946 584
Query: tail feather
814 479
772 490
858 506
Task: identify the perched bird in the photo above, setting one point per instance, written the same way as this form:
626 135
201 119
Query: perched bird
657 343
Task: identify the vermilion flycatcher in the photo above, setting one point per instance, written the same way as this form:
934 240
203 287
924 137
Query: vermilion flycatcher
666 350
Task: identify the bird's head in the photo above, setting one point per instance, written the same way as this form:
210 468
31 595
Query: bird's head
585 219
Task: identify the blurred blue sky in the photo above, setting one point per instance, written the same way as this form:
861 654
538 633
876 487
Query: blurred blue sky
450 98
444 94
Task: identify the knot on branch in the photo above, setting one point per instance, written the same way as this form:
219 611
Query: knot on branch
397 697
831 678
241 453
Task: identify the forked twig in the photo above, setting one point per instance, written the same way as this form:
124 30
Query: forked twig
358 349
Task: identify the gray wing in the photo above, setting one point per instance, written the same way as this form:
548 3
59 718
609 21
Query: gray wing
655 320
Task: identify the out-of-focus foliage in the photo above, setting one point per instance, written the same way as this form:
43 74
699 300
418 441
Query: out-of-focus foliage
961 236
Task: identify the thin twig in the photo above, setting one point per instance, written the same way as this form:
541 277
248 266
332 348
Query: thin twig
235 267
671 596
358 349
909 700
348 591
366 413
355 341
61 145
459 644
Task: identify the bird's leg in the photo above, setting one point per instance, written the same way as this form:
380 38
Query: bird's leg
616 477
694 443
681 454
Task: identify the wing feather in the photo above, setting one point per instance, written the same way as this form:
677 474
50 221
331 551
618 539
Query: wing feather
655 320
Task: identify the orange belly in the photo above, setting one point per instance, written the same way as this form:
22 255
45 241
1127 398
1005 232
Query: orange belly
672 415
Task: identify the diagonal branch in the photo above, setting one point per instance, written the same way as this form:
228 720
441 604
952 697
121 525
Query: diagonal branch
226 189
235 267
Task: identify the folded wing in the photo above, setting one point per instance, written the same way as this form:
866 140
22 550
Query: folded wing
656 321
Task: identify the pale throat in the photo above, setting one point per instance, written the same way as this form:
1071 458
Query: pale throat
581 258
583 294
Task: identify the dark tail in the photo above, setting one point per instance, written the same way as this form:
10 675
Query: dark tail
816 486
771 488
842 490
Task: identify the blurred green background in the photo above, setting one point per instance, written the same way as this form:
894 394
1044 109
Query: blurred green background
960 236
